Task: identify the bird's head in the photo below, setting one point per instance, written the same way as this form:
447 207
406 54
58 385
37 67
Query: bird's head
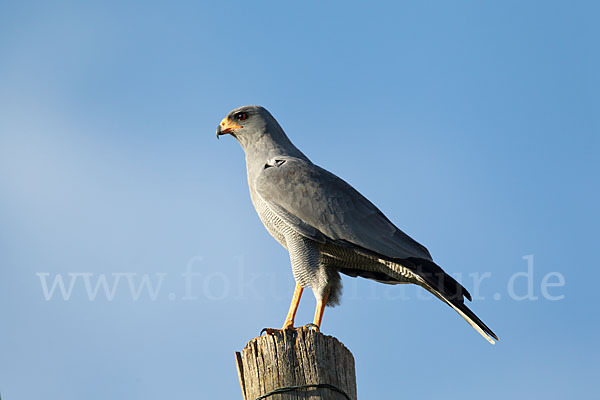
248 123
258 132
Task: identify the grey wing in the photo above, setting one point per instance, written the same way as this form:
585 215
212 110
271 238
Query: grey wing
323 207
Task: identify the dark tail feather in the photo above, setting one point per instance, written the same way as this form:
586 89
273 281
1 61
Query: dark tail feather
449 291
471 318
435 276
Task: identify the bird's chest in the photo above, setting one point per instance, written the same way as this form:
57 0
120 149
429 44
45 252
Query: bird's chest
276 226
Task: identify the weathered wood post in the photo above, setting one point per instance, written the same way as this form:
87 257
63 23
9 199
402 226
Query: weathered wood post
296 364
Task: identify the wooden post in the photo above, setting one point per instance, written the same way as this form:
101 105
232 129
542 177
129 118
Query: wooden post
292 358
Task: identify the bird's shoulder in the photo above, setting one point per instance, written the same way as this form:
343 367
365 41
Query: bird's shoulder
299 183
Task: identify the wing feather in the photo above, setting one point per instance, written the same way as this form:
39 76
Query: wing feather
307 196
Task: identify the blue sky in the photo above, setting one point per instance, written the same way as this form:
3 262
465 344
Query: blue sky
484 115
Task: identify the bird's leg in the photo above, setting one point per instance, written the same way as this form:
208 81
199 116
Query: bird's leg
321 303
289 320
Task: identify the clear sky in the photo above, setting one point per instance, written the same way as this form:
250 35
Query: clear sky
473 126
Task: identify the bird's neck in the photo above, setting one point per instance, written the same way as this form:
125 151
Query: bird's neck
265 148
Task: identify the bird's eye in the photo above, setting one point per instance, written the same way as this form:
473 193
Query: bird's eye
241 116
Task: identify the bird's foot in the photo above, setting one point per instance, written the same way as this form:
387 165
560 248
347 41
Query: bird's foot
290 325
270 331
312 326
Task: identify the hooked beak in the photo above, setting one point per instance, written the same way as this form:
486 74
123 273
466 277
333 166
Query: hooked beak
227 126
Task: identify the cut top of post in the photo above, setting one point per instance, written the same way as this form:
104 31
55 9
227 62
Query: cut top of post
296 364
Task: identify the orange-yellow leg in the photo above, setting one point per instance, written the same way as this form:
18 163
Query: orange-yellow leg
320 309
289 320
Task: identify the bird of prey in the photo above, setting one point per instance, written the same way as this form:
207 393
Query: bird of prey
327 226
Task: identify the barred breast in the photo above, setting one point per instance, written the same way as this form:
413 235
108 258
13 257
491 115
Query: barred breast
276 226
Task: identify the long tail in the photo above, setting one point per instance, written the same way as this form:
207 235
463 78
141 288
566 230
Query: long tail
468 315
450 292
432 277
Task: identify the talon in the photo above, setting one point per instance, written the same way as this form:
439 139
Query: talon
268 331
312 326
